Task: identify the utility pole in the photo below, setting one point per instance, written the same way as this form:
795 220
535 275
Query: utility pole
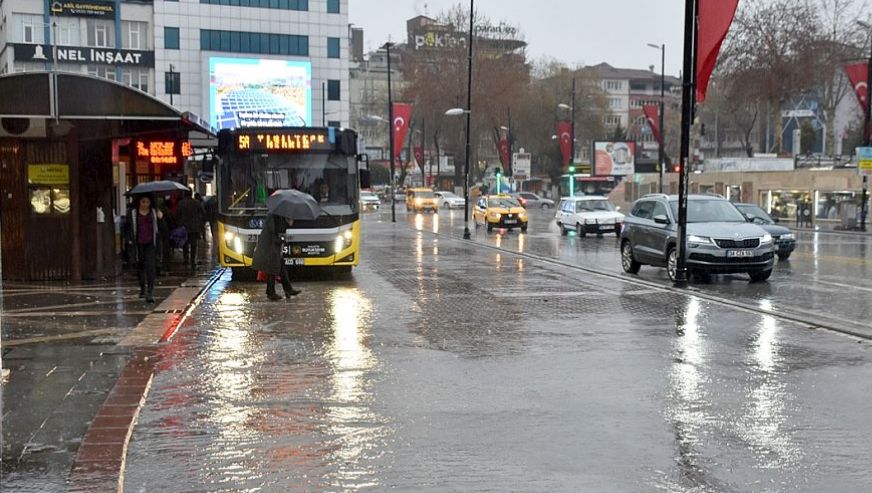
864 196
661 152
510 172
571 169
324 97
391 137
687 111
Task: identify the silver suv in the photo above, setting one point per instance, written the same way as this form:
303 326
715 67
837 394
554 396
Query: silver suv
719 238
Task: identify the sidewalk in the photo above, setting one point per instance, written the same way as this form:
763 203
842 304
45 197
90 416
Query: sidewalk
64 346
827 228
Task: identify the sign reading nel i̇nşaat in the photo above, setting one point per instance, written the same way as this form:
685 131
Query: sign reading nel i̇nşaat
80 54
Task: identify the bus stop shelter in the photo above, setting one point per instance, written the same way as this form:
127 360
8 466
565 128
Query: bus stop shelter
70 145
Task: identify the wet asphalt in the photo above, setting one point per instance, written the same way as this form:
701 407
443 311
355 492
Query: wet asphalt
443 365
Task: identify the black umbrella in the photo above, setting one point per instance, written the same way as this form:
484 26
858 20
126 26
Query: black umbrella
293 204
161 186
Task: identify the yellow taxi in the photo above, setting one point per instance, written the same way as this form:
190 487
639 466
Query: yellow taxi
421 199
499 211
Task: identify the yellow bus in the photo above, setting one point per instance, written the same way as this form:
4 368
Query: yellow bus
323 162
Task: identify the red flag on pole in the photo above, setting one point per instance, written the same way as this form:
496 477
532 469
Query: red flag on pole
419 155
715 17
564 135
857 74
504 151
652 115
402 118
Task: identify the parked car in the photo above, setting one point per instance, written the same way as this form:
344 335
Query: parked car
449 200
719 238
499 211
784 238
421 199
530 200
590 214
369 200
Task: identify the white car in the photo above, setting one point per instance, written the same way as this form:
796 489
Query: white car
449 200
532 201
589 215
369 200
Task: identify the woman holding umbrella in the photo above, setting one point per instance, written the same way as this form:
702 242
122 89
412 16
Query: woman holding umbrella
284 206
143 243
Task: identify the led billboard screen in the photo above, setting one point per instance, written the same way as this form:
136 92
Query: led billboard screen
254 92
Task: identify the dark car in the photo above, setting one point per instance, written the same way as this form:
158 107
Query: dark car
784 238
720 240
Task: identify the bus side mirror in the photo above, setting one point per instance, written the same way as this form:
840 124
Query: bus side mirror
365 181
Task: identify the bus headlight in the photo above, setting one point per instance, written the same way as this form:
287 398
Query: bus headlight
343 241
234 242
237 245
228 237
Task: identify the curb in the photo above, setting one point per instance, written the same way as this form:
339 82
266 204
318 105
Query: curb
100 461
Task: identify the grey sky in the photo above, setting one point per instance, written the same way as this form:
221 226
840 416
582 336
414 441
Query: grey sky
573 31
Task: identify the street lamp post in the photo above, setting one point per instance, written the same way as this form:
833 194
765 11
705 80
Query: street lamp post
687 111
391 136
660 151
466 234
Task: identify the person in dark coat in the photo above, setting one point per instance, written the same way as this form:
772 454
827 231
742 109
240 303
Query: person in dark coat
191 215
211 207
143 244
268 256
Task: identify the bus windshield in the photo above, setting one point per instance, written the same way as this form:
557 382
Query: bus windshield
247 180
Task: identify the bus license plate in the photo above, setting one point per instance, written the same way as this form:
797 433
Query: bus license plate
740 253
295 261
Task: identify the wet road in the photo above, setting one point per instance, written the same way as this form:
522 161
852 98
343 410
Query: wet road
446 366
827 279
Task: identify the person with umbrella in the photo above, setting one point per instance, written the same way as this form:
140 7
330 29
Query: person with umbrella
143 243
284 207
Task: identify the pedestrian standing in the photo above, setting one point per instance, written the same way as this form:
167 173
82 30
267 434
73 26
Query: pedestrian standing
268 256
191 216
143 245
211 208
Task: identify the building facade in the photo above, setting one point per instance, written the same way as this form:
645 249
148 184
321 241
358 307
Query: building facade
105 38
232 62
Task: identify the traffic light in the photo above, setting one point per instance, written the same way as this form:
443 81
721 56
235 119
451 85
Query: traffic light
676 168
499 172
571 169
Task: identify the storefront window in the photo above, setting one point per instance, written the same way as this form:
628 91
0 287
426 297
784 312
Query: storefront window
47 201
784 204
836 205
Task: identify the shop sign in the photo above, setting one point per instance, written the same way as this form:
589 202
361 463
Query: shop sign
168 152
83 55
48 174
864 161
93 8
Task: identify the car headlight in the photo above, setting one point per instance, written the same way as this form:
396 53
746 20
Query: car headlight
788 236
767 239
590 221
699 240
419 201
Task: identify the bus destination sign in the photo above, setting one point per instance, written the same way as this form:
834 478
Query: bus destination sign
284 141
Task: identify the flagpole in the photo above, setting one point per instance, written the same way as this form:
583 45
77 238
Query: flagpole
662 151
687 110
391 138
864 195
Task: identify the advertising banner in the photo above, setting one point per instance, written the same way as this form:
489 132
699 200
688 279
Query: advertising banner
48 174
254 92
858 73
614 158
503 147
652 115
93 8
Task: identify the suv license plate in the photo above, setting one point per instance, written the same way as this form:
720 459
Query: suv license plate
740 253
295 261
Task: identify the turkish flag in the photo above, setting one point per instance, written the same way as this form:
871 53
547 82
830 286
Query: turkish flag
419 155
651 114
504 151
858 73
714 20
402 118
564 135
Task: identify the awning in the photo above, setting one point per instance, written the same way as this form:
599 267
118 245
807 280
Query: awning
73 96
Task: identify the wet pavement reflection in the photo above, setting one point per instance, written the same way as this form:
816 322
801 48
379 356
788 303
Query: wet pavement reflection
829 275
446 366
